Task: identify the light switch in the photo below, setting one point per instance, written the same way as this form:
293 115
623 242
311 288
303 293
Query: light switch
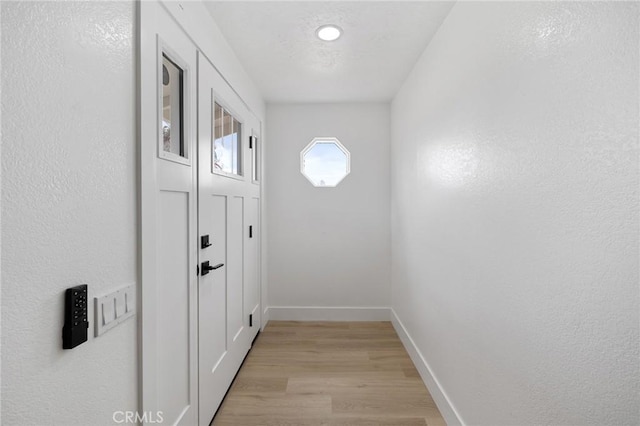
108 311
121 306
114 308
130 298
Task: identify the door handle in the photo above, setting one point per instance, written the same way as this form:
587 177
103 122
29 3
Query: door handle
206 268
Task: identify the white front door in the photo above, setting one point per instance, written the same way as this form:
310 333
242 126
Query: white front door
228 233
168 64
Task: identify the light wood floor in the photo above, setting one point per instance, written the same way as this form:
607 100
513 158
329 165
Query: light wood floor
328 373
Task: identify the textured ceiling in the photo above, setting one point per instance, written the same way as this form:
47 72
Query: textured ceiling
276 43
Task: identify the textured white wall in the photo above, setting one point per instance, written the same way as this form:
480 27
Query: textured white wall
68 206
515 211
328 246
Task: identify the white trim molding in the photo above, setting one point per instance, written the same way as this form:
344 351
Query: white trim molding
326 313
442 400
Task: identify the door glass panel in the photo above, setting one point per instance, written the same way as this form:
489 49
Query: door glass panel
172 107
227 142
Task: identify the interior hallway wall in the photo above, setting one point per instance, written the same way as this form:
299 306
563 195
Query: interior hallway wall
328 247
515 211
68 206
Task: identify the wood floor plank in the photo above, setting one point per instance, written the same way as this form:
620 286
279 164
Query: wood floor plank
353 385
349 345
270 371
377 421
411 372
304 357
382 405
304 406
352 421
328 374
259 385
435 421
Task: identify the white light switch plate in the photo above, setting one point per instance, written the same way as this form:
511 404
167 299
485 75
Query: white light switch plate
114 308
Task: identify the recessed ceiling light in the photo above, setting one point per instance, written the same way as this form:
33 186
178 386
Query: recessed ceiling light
328 32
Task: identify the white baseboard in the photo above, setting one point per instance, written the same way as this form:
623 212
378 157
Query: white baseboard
322 313
446 407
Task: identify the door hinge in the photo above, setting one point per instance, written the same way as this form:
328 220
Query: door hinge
251 231
251 142
250 320
197 270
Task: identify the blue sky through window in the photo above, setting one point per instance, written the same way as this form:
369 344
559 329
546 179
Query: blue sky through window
325 164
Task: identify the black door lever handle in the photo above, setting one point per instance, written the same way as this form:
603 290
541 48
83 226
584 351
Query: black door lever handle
206 268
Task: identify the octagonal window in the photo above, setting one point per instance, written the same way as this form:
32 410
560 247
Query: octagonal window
325 162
